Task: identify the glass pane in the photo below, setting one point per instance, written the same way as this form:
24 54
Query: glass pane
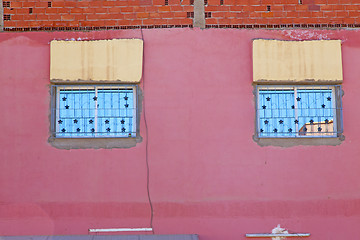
76 108
276 113
316 112
115 112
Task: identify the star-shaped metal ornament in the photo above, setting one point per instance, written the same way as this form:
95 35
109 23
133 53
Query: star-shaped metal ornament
123 129
75 121
60 121
266 121
323 106
281 121
91 121
106 121
263 107
67 106
78 129
122 121
108 129
64 99
298 99
268 99
95 98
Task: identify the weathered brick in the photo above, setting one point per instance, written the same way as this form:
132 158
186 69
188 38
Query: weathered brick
76 10
16 4
67 17
42 17
142 15
39 11
165 9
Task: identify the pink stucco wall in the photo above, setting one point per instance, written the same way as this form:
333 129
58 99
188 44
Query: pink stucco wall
207 175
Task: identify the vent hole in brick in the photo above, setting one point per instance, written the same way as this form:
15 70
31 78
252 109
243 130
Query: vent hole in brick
49 4
190 14
205 2
30 10
221 2
208 15
268 8
6 4
7 17
191 2
300 2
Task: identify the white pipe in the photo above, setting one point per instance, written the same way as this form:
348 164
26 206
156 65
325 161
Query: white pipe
254 235
120 230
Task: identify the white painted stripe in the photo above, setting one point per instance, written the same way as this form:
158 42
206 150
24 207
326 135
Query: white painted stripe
254 235
120 230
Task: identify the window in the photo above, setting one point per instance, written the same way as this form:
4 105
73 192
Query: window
94 111
298 111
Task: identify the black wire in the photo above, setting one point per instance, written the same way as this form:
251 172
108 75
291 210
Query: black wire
147 147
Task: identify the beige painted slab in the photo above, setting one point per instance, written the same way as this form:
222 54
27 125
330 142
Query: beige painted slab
297 61
102 60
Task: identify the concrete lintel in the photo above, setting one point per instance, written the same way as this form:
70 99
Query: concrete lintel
199 14
1 16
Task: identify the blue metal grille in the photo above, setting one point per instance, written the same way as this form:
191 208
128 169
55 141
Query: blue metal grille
94 111
298 111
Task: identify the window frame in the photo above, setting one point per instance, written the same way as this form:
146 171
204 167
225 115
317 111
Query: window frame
336 92
55 103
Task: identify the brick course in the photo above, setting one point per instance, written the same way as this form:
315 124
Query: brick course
148 13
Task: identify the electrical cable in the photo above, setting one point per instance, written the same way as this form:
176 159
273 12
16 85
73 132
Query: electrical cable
147 145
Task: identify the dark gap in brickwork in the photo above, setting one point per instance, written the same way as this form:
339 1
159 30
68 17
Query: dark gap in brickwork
282 26
268 8
92 28
166 2
300 2
190 14
208 15
221 2
7 17
205 2
191 2
6 4
30 10
49 4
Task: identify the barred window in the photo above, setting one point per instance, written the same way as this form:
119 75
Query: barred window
299 111
81 111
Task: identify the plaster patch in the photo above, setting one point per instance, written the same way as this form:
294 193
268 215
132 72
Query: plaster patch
299 35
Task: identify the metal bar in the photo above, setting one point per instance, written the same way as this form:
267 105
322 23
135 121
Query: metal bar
121 230
264 235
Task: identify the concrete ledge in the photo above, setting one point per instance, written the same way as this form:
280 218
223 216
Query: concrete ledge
268 235
107 237
290 142
95 143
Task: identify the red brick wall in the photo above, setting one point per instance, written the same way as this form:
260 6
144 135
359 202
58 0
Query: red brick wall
125 13
284 12
95 13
